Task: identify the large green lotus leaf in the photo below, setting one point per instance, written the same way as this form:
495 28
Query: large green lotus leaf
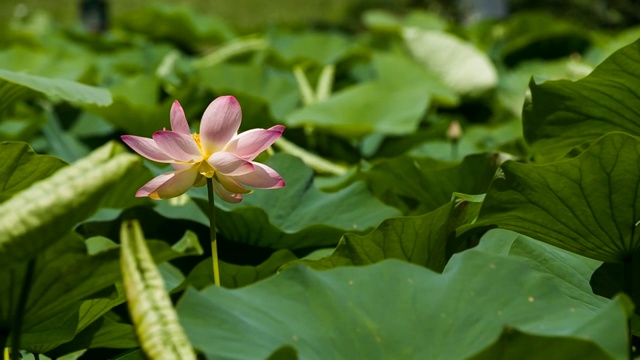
394 103
380 311
563 114
423 185
15 85
421 240
235 276
136 108
459 64
65 295
574 269
586 204
37 216
298 215
401 70
69 63
161 22
322 48
20 167
274 88
365 108
475 139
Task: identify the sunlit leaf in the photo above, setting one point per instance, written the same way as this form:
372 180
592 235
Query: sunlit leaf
11 83
459 64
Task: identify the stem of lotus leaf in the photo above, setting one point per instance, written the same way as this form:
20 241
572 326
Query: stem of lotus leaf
212 231
16 330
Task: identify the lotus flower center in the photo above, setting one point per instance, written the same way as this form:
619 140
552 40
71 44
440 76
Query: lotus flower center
205 169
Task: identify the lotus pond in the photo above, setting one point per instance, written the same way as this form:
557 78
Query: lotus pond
407 188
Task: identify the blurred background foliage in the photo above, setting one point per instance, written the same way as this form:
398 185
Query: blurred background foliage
250 15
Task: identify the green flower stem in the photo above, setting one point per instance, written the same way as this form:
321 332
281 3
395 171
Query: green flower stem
212 231
16 330
312 160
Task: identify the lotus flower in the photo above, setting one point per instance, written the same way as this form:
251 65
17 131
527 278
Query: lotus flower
218 152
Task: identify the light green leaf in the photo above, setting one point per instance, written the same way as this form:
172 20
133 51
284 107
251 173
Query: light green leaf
475 139
155 320
322 48
563 114
40 214
587 204
458 63
365 108
381 20
160 21
384 307
11 83
298 215
136 108
274 88
394 103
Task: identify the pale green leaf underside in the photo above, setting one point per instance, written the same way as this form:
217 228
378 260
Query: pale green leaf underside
63 89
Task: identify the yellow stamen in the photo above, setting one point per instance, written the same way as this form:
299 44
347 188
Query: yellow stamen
196 138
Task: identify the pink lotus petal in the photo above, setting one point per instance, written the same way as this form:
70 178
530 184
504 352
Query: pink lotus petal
263 177
181 166
252 142
168 185
147 148
225 195
230 164
178 119
232 185
220 122
179 146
